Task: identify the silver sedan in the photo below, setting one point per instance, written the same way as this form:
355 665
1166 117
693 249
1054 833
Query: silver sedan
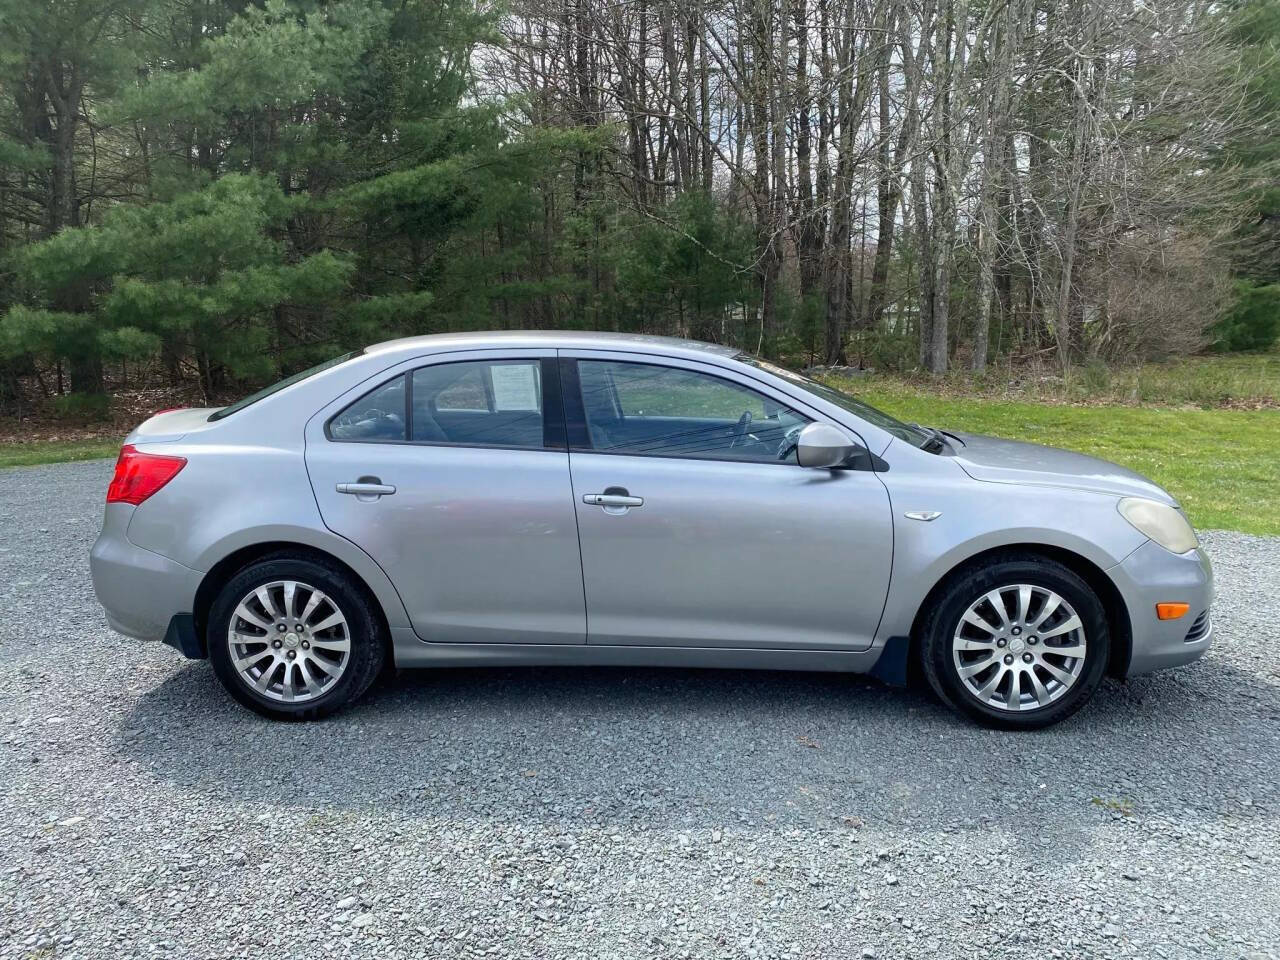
537 498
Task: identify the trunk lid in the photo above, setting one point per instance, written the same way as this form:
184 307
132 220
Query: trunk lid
172 425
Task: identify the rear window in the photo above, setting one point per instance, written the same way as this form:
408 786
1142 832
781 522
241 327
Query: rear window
286 382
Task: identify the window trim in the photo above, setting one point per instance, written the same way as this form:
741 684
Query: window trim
579 435
552 407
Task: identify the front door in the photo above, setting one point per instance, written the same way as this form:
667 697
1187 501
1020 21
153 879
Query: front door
697 526
452 474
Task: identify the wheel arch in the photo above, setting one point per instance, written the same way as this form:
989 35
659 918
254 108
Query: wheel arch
221 572
1113 604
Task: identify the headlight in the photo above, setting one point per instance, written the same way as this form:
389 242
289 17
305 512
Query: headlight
1161 522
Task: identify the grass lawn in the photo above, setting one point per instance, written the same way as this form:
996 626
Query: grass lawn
56 451
1223 465
1241 381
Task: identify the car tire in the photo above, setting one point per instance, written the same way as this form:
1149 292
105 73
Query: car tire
964 645
315 670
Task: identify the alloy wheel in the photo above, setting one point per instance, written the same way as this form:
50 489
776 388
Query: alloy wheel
1019 647
289 641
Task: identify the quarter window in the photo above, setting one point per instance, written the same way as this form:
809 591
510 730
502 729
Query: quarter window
378 415
644 408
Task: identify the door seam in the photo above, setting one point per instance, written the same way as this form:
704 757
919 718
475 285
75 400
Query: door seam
573 501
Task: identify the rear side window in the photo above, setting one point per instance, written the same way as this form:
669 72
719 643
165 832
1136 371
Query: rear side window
487 403
494 403
378 415
465 392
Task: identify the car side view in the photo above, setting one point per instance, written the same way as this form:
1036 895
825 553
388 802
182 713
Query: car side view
585 498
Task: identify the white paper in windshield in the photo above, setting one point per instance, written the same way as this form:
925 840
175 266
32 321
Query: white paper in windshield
515 386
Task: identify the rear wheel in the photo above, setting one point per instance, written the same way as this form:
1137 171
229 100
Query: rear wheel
1021 643
294 638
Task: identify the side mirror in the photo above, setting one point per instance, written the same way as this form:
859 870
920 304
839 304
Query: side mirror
822 445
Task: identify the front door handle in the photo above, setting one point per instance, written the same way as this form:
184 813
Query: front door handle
366 488
612 500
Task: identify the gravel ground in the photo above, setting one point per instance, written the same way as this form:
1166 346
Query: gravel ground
609 813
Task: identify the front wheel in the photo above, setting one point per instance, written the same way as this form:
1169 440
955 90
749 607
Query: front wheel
294 638
1020 644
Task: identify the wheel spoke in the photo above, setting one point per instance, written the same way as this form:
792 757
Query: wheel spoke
312 687
1062 676
312 604
328 668
290 588
1038 688
1024 602
248 616
1071 623
264 678
341 644
269 605
1075 650
313 601
332 620
997 601
978 666
966 645
971 617
244 663
1015 690
1047 611
984 692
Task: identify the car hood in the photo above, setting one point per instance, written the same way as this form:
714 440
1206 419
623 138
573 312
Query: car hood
1012 461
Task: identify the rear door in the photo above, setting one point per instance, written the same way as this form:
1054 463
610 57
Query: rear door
451 472
697 526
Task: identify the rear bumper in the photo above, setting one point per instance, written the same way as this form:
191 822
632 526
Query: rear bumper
1151 575
140 591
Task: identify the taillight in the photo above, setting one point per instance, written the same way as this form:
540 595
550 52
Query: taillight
139 475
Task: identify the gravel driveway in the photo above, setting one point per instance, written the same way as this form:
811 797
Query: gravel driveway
609 813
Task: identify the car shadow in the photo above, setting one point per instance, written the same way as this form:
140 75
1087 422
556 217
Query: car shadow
578 748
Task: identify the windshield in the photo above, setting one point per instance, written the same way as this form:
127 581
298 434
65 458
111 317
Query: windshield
286 382
917 438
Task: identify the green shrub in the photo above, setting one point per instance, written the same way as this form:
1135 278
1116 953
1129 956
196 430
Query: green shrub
884 350
82 407
1096 376
1253 323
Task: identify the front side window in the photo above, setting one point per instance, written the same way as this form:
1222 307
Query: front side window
488 403
903 431
670 411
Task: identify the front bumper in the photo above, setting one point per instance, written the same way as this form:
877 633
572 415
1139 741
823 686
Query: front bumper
1151 575
140 591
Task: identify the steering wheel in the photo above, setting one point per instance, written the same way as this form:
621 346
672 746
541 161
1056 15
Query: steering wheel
790 440
370 422
740 428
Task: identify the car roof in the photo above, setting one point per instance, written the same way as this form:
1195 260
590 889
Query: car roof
551 339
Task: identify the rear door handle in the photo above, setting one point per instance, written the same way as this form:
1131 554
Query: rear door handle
612 500
366 488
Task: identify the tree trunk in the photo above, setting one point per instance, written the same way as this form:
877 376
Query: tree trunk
808 237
